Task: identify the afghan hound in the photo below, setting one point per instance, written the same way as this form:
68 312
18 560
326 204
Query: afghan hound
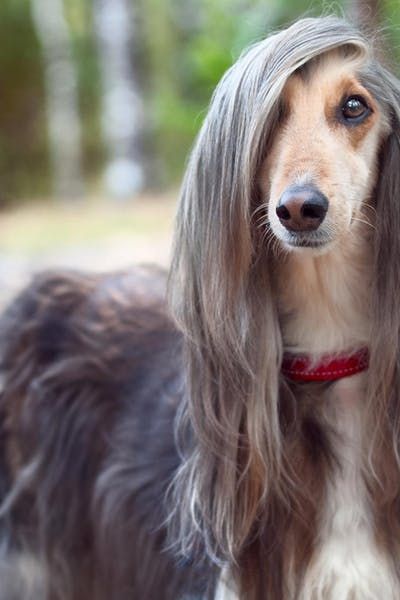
244 443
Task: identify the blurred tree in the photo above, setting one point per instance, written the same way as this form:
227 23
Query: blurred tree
23 148
78 14
122 106
61 97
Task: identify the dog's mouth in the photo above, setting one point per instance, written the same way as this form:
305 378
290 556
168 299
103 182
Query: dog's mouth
312 240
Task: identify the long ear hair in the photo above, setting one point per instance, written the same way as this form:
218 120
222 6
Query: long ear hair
222 297
383 408
385 349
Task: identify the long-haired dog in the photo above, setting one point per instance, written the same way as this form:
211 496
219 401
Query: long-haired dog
280 370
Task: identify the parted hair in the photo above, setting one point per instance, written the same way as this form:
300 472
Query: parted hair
238 411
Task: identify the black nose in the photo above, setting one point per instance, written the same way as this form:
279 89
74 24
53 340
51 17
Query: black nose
302 208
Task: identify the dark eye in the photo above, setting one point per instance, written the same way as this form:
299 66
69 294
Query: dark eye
355 109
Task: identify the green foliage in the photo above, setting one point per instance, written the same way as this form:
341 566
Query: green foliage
23 150
391 33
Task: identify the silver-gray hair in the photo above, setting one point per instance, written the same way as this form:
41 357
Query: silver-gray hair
222 296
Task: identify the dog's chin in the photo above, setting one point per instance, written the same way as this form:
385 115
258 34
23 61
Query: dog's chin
313 243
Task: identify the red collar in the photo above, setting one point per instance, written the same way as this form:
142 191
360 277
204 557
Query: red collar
329 368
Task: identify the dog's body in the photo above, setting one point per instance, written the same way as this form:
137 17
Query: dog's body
288 241
100 515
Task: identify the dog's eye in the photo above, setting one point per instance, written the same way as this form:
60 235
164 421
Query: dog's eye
355 109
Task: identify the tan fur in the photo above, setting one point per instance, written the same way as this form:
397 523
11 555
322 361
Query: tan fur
323 296
312 147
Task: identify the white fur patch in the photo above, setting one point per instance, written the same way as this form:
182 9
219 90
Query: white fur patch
22 577
348 565
225 588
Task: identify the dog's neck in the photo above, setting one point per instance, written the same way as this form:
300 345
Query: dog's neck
324 301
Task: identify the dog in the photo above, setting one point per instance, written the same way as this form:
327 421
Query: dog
244 443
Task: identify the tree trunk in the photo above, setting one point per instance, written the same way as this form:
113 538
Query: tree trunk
122 105
61 97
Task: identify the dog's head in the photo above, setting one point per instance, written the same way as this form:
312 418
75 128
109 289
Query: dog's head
290 147
322 164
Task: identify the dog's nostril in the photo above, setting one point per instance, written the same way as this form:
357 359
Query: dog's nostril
283 212
313 210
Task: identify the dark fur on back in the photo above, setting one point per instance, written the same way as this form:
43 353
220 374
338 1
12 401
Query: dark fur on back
87 446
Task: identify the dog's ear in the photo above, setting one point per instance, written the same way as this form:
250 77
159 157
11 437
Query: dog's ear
386 309
223 301
383 394
213 240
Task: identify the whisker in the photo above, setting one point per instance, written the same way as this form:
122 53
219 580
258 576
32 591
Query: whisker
263 206
364 221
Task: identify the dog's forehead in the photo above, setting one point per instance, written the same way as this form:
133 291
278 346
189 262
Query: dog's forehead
326 77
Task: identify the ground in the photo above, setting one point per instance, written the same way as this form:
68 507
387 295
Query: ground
98 235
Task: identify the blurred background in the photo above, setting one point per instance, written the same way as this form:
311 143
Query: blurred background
99 103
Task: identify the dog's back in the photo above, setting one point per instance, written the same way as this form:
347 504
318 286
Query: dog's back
92 378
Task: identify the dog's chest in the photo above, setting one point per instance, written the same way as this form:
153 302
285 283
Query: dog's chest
347 563
323 302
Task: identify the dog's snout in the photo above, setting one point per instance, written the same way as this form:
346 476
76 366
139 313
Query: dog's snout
302 208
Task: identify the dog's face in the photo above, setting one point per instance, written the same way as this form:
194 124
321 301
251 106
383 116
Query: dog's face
323 163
